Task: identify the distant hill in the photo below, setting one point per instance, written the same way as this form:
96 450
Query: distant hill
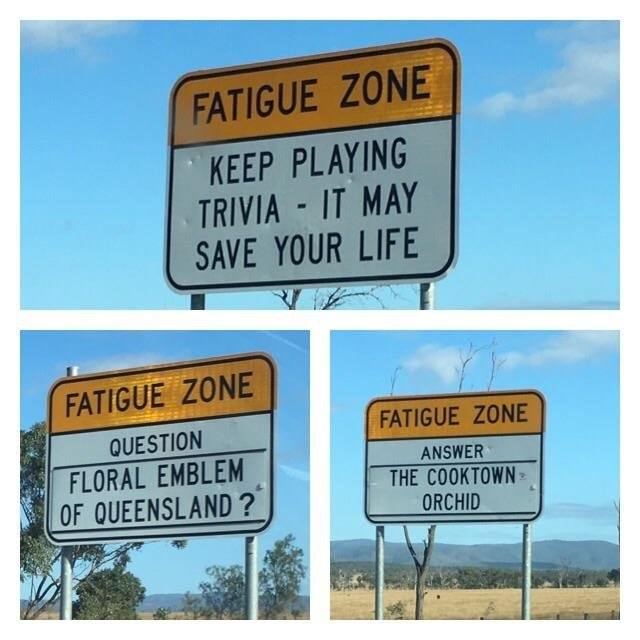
175 602
546 554
172 601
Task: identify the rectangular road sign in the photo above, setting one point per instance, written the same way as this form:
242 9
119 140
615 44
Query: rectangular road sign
467 457
330 170
170 451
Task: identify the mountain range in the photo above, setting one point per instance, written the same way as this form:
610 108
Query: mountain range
175 602
546 554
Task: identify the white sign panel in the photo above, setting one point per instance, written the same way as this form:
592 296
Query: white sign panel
331 170
486 467
169 475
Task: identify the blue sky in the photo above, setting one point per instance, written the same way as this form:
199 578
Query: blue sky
46 354
539 189
577 372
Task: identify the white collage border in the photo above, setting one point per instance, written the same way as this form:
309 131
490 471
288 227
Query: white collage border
626 321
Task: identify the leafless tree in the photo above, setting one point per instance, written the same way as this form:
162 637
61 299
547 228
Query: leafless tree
422 565
324 299
617 506
563 571
443 579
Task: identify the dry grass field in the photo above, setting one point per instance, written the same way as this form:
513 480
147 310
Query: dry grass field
490 604
148 615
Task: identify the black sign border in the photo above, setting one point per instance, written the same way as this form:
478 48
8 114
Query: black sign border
323 282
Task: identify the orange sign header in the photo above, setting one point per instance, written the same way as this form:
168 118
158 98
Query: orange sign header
216 387
393 84
462 414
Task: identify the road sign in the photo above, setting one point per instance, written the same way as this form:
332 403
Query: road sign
330 170
169 451
467 457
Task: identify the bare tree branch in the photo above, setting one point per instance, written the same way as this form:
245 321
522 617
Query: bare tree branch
32 611
394 378
465 360
410 547
338 297
334 298
289 297
496 364
429 546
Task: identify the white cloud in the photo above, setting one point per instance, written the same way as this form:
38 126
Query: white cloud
567 348
78 35
441 361
589 71
293 472
579 511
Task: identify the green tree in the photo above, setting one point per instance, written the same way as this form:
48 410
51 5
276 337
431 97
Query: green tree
614 576
397 611
282 572
191 606
223 596
39 559
161 613
109 594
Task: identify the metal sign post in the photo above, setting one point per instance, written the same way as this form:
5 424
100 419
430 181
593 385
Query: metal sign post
526 571
66 559
251 577
427 296
197 302
66 582
379 578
